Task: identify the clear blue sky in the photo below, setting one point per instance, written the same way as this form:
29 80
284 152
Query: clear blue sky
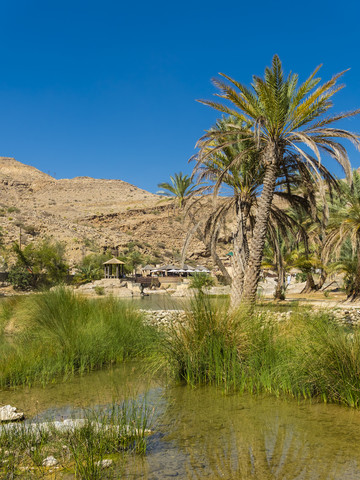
107 89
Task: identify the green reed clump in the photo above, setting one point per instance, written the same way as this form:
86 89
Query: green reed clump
109 434
325 361
65 333
207 348
306 355
216 346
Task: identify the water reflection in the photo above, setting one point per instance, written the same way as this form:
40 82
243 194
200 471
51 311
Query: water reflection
64 398
207 435
203 434
159 301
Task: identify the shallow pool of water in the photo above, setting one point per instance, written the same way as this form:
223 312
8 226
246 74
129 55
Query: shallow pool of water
159 301
204 433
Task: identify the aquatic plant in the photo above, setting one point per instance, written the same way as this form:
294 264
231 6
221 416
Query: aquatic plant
80 451
207 348
305 354
64 333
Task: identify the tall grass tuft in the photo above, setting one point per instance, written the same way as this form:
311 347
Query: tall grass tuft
326 361
306 355
66 334
207 348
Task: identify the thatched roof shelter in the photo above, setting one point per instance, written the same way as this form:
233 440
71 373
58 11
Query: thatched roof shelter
147 268
113 268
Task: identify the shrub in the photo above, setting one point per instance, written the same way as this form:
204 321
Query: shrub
99 290
31 230
45 257
13 210
20 278
300 277
201 280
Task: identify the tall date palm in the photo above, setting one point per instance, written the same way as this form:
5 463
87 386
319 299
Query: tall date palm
285 119
243 183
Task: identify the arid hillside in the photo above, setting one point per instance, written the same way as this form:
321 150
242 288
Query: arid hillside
89 214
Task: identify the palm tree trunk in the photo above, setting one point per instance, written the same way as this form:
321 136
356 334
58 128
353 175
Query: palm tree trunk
310 284
322 280
280 287
355 294
217 260
279 293
252 274
239 259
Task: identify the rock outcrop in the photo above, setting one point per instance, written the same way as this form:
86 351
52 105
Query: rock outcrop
87 214
10 414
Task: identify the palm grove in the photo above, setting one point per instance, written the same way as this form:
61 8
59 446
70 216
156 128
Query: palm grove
267 149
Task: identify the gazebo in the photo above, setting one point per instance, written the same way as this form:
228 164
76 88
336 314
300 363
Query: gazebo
113 264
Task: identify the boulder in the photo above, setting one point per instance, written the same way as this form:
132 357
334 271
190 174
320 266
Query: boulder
10 414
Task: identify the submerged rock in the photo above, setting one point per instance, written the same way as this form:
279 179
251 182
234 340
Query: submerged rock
70 425
104 463
50 461
10 414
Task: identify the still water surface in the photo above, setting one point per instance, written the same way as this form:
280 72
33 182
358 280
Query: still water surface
159 301
204 433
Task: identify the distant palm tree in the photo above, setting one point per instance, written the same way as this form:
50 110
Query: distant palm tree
277 257
310 255
344 224
347 264
180 187
283 118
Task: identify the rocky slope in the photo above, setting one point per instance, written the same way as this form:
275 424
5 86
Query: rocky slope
88 214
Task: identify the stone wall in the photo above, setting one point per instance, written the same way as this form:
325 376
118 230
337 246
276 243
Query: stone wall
164 318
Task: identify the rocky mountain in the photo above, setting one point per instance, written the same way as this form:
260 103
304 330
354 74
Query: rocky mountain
88 214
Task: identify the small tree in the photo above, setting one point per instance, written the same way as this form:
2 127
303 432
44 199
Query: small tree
201 280
91 268
46 257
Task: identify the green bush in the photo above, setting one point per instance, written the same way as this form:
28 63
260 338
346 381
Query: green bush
20 278
300 277
13 210
201 280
